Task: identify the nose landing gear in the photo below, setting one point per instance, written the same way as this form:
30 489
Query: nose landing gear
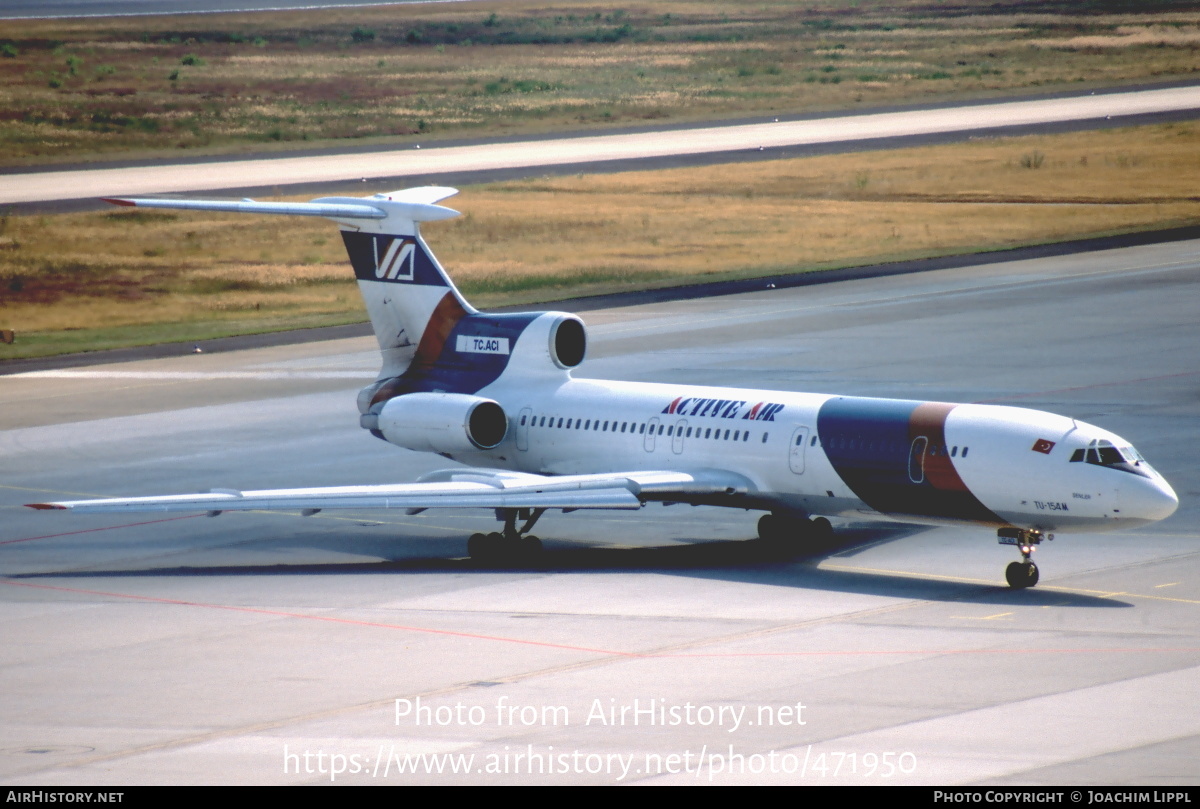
1024 573
1021 574
514 544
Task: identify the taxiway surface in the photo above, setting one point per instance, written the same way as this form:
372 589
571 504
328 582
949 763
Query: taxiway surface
269 648
412 162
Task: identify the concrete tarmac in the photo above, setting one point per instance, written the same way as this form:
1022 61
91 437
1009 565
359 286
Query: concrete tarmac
661 646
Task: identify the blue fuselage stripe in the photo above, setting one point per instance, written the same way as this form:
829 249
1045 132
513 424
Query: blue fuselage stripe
892 454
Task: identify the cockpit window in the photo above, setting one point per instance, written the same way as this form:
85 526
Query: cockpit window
1105 453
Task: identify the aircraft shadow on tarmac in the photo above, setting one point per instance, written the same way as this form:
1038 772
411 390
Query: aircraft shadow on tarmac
750 561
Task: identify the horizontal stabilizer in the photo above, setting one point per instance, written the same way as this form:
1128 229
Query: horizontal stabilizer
422 195
410 205
338 211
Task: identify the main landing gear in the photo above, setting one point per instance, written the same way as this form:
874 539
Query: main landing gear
1024 573
785 529
514 544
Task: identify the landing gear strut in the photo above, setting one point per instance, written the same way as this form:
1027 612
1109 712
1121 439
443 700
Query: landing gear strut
1024 573
785 530
514 543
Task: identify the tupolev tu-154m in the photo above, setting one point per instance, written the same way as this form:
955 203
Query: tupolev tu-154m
495 392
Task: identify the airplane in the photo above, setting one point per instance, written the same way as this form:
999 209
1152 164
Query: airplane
495 392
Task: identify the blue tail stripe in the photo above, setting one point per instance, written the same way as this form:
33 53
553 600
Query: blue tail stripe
391 259
466 371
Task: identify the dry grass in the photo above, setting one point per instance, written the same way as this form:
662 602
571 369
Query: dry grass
541 239
111 87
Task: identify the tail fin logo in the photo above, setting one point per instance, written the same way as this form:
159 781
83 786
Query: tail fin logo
397 261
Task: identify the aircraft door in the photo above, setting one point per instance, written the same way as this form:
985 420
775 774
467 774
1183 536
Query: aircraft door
916 459
523 429
651 429
796 450
677 439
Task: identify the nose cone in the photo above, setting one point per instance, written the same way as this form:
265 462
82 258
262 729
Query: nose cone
1150 501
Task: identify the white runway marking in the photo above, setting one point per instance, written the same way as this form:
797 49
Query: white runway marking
1072 725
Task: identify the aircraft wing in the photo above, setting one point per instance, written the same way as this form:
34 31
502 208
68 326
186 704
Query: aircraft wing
452 488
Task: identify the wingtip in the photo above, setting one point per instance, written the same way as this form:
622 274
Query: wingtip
118 201
46 506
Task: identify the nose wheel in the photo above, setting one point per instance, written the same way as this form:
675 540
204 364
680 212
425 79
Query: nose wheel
513 544
1024 573
1021 575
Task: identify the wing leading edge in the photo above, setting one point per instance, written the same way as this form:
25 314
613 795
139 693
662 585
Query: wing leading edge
456 488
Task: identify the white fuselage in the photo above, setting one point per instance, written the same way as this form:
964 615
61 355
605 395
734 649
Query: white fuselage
495 390
570 426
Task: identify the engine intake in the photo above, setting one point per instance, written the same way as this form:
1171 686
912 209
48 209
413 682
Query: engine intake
447 423
568 342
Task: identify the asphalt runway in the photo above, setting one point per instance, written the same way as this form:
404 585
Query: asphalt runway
404 165
663 646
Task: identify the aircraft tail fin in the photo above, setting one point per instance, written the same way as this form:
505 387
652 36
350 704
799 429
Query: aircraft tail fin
411 301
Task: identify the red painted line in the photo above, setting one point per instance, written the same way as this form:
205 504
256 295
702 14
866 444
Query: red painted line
590 650
880 652
323 618
108 528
